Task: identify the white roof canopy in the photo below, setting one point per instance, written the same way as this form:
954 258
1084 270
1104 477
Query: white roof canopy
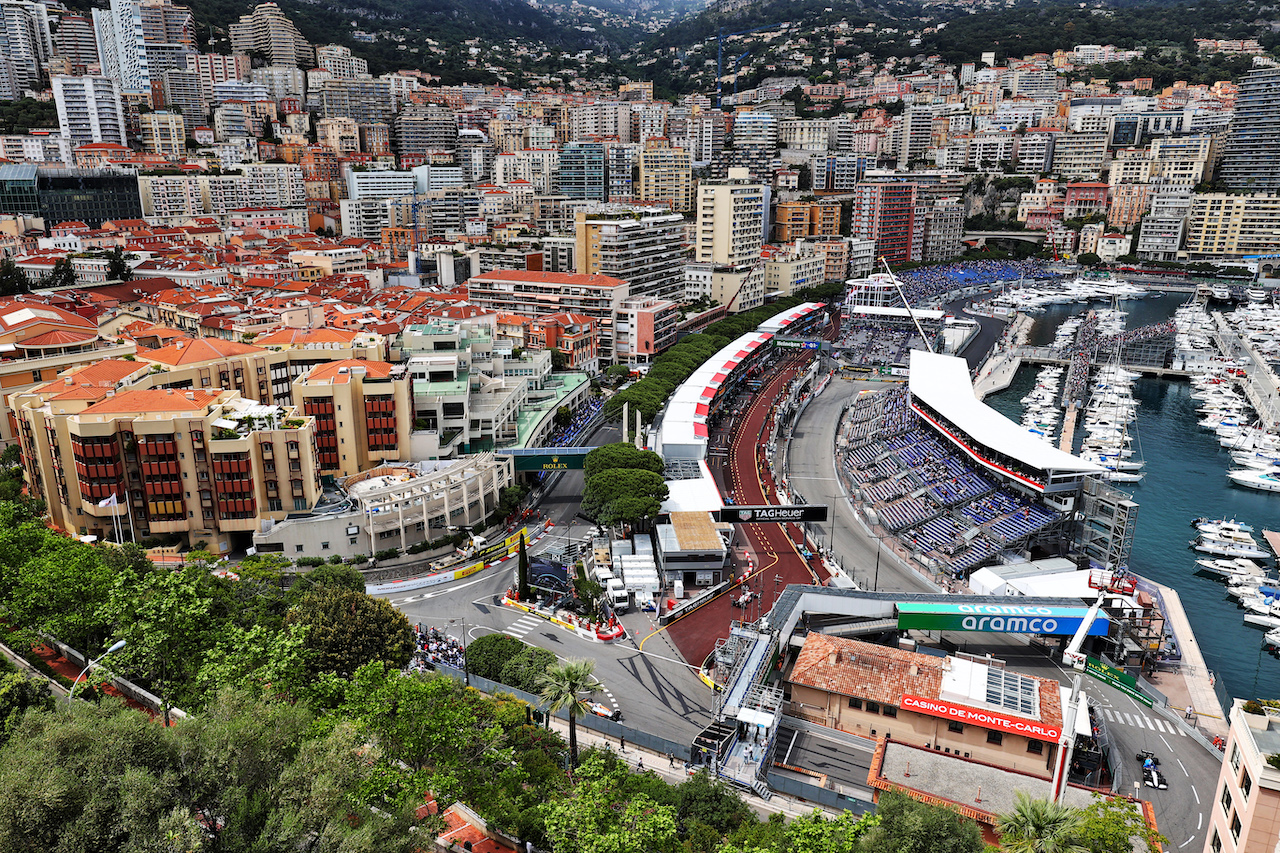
942 382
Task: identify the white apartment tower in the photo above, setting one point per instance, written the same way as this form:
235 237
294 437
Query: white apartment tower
732 217
25 45
89 109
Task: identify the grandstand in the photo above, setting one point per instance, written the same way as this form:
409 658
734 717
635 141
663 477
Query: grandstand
937 488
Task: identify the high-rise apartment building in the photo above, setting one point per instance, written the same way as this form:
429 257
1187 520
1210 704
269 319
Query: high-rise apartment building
1249 160
1229 225
886 212
182 91
732 216
25 45
75 40
361 410
424 129
365 100
581 171
619 159
1243 816
640 245
215 68
268 31
89 109
339 62
163 133
138 40
666 175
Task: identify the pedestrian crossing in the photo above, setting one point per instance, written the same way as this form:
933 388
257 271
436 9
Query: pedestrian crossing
1141 721
522 626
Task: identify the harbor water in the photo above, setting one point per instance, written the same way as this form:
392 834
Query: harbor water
1185 478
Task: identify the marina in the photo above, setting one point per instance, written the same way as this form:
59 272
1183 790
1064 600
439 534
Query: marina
1185 477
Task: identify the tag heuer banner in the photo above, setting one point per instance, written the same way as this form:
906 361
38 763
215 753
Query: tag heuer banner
774 514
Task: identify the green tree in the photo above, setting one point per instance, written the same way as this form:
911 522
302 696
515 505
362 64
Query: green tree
18 693
328 576
563 417
620 455
1109 824
13 280
525 669
559 361
168 621
602 815
523 591
346 630
1088 259
62 275
118 268
570 686
1036 825
910 827
487 655
623 495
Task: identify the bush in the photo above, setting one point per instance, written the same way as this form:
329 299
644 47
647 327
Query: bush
487 655
524 670
359 559
309 561
387 554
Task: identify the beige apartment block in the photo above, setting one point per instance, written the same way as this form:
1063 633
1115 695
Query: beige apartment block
666 175
204 465
1245 813
40 341
1226 225
362 413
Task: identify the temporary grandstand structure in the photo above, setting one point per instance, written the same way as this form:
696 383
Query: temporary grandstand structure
942 394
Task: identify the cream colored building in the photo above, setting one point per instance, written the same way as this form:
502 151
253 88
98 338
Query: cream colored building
789 271
731 220
396 506
41 342
1224 225
362 412
163 133
1245 812
198 464
666 175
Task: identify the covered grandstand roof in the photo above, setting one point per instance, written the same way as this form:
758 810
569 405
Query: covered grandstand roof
781 321
684 424
942 382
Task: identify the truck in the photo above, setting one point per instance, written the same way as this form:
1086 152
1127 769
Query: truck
617 593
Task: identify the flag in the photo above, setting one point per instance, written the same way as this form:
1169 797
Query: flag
111 501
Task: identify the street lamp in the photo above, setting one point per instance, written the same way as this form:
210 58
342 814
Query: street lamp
115 647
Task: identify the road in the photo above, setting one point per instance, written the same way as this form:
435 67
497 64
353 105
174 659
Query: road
771 546
654 689
812 465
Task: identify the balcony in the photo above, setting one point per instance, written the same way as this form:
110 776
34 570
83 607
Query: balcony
162 487
107 471
157 448
235 487
159 469
231 466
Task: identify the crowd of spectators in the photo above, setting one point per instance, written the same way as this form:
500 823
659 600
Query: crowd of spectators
1082 350
868 342
431 647
928 284
1145 333
566 435
921 489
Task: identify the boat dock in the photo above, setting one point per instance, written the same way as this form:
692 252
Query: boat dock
1047 355
1261 386
1002 364
1069 427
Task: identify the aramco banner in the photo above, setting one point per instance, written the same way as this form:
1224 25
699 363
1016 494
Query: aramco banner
999 618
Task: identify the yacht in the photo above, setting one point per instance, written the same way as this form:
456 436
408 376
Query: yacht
1262 480
1256 294
1216 525
1231 569
1229 546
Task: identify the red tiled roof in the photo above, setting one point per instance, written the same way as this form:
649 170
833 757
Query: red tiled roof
153 400
201 349
57 338
333 371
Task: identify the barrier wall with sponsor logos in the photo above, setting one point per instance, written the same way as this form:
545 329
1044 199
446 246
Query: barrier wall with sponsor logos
476 562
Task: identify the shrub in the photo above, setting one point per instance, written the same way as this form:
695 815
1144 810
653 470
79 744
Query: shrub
387 554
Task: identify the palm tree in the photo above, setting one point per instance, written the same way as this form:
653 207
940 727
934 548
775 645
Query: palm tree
570 685
1039 826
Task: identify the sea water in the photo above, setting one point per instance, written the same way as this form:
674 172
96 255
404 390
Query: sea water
1185 478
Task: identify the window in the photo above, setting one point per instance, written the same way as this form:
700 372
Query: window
873 707
1246 786
1035 747
953 726
1215 843
300 504
1226 799
1235 756
1235 827
855 703
324 546
298 548
890 711
995 738
352 540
